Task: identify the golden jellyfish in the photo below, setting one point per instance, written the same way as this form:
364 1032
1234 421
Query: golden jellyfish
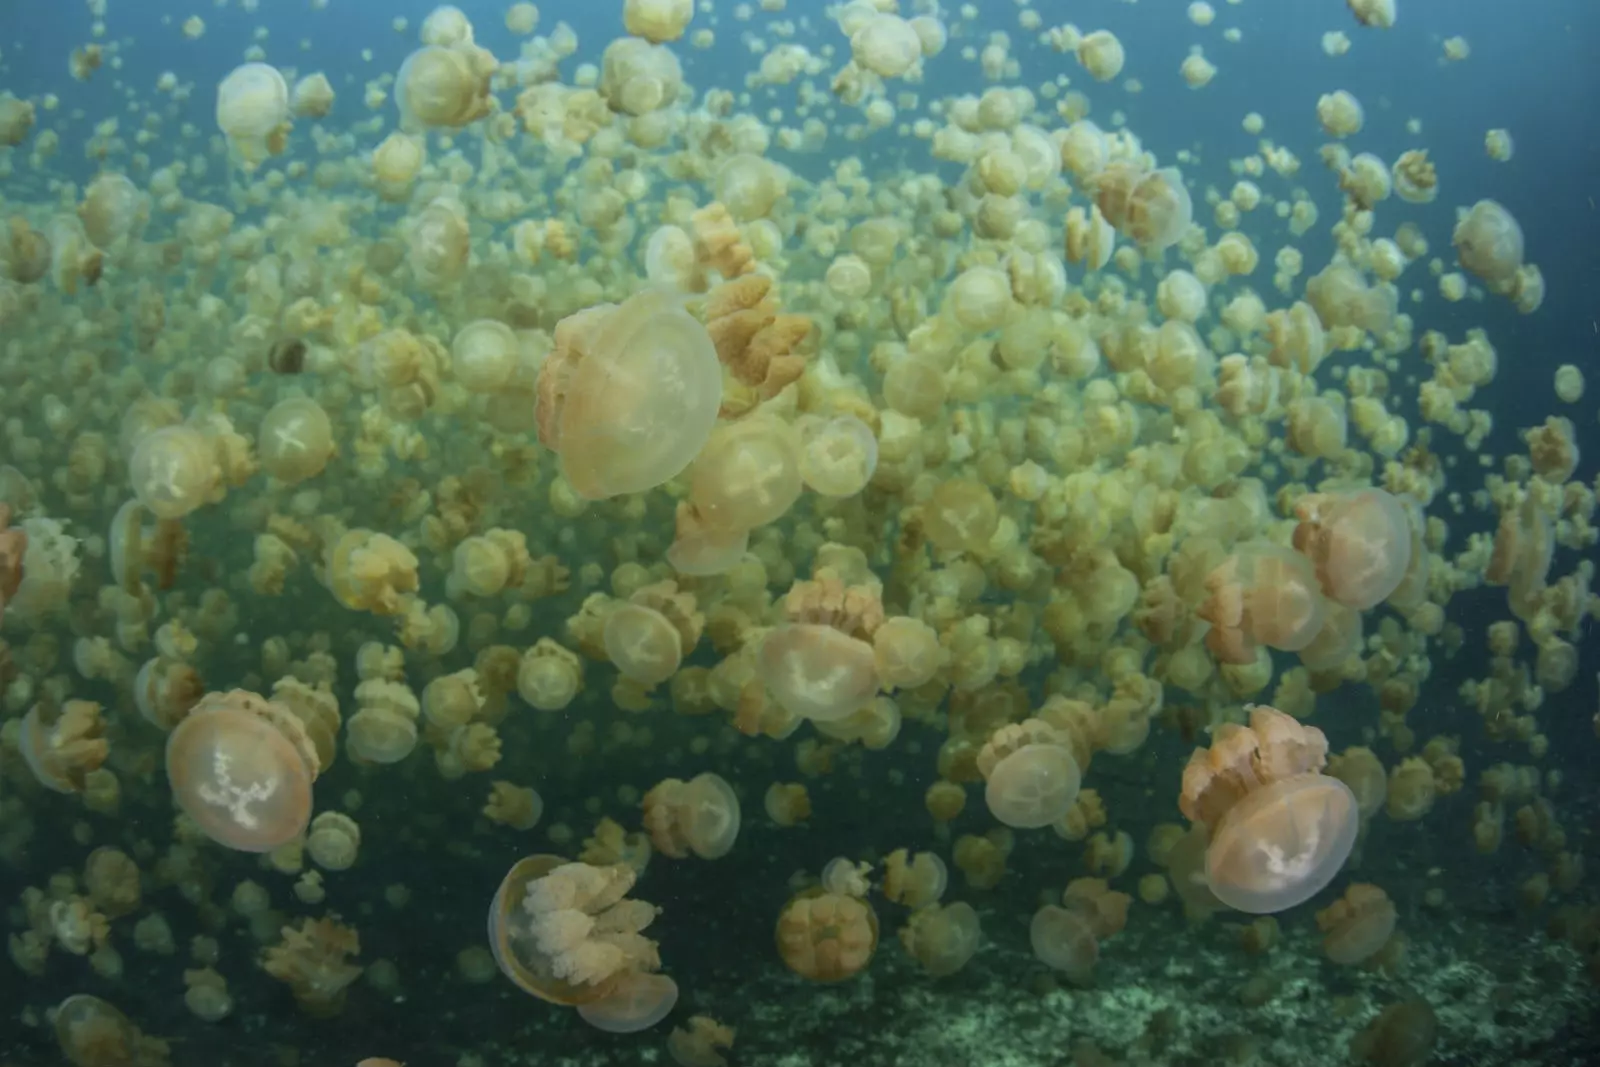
643 643
1359 542
915 881
1357 925
253 110
396 162
439 245
444 87
942 937
636 1002
961 516
63 746
446 26
827 937
295 441
242 768
700 816
13 550
1101 54
702 1044
746 475
1376 13
1280 831
657 21
549 675
94 1033
1488 241
630 394
818 672
484 355
887 45
567 932
1261 594
906 652
1159 210
1340 114
838 455
979 299
112 209
1032 776
173 471
637 77
1063 939
312 97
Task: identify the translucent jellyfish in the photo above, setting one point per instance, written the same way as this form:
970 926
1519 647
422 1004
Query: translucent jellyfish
657 20
817 672
566 932
643 644
295 441
1357 925
637 1002
907 652
942 937
637 77
112 208
1262 594
444 87
484 355
242 768
887 45
1282 844
1158 210
827 937
747 475
629 395
961 515
93 1033
1101 54
1280 831
837 455
38 563
1360 544
173 471
253 110
63 746
700 816
1032 786
1488 241
1063 938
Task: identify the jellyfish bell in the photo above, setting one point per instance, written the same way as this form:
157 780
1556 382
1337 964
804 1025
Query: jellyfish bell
242 768
1281 845
630 394
817 672
253 110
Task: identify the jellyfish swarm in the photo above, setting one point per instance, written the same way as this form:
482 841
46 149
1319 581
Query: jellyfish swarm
1280 831
629 395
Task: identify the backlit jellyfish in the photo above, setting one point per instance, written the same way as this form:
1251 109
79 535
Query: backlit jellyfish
38 563
643 644
629 395
242 768
1360 544
1280 831
1158 210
